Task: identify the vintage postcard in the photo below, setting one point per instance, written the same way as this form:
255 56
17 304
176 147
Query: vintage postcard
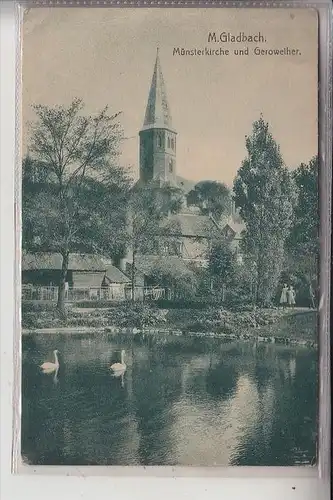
169 270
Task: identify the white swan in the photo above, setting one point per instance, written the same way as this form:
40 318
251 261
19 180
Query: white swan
118 369
49 367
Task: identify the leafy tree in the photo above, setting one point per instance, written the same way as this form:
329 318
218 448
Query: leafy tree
305 229
182 280
222 264
241 291
72 184
265 194
149 207
303 241
146 210
211 197
173 199
100 219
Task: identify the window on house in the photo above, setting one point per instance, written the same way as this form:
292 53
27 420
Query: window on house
179 248
171 166
173 248
238 255
159 141
165 247
169 142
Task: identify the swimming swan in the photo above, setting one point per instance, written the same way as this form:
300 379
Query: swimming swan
118 369
49 367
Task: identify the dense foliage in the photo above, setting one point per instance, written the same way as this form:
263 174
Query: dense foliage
264 193
302 258
73 187
211 197
182 281
222 266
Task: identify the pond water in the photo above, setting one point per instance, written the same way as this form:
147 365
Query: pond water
181 401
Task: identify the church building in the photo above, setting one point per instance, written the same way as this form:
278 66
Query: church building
158 138
189 233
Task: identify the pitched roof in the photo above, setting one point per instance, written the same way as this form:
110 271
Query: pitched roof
237 226
114 275
53 261
157 112
191 225
147 263
88 279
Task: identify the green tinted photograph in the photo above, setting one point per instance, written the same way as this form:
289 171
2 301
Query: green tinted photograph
169 238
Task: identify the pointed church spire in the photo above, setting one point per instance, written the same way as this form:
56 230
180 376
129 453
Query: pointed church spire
157 112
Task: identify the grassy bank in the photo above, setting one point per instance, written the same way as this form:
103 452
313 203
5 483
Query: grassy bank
298 324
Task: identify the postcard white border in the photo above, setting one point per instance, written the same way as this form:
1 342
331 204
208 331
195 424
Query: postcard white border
91 482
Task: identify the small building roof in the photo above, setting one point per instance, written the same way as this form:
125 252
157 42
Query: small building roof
114 275
193 225
88 279
236 225
53 261
145 264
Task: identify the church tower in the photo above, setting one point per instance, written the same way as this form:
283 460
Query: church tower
157 136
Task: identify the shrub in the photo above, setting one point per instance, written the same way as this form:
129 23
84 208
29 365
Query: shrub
41 319
222 320
183 304
37 306
52 319
237 300
99 304
137 315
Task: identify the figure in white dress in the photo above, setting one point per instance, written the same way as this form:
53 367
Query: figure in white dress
291 294
284 296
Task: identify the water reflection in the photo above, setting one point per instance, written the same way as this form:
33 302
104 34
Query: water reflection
180 401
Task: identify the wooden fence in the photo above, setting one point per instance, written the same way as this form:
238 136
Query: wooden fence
113 292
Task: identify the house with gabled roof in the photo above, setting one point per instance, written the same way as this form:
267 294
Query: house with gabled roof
233 229
84 270
189 236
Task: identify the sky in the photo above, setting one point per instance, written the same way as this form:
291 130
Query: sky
106 56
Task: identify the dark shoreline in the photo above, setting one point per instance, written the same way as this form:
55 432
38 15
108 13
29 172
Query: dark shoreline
297 326
168 331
